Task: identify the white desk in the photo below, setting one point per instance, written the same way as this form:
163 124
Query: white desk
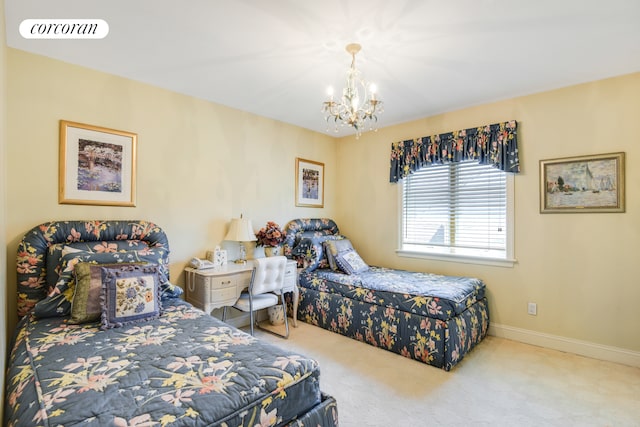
221 287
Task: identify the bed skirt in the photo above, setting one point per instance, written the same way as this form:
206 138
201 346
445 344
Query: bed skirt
440 343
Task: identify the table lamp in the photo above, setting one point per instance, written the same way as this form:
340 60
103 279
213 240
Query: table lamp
241 231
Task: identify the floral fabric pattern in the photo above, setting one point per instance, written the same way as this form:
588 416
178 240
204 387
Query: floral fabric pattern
312 226
130 294
364 317
428 317
181 368
202 372
58 302
304 241
424 294
310 253
495 145
58 250
36 281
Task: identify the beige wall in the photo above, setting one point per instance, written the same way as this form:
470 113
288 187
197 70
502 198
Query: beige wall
582 270
199 164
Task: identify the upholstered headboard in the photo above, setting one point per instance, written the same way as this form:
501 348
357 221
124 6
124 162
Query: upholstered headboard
42 248
307 227
304 239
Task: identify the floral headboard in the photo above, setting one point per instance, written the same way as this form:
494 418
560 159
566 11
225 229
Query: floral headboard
43 246
303 240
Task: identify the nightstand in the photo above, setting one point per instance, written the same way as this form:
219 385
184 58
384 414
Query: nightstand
213 288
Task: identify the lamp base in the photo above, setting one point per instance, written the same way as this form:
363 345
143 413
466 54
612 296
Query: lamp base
243 254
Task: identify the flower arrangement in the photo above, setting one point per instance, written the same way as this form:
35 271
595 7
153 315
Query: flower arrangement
271 235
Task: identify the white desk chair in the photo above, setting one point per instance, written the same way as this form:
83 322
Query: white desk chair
266 286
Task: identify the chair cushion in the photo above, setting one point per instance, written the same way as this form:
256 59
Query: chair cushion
259 301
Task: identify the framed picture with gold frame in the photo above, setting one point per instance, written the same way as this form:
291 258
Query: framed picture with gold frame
309 183
592 183
97 165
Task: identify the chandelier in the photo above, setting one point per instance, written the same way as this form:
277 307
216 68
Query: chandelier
358 106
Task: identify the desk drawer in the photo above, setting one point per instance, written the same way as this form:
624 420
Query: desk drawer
221 295
220 282
290 277
290 270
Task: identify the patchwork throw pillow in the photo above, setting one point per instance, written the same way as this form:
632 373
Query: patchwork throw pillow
130 294
350 262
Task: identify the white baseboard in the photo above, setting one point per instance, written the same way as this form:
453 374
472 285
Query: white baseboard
569 345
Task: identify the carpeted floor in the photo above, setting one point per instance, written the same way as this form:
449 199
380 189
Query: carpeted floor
500 383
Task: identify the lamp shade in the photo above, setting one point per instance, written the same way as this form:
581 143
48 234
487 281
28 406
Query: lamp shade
240 230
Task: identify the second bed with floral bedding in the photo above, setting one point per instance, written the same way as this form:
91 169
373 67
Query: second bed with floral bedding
428 317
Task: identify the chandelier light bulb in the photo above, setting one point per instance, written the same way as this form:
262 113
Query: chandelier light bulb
330 92
358 105
373 89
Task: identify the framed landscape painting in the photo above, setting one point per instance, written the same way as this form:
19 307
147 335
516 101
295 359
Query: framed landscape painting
309 183
97 165
582 184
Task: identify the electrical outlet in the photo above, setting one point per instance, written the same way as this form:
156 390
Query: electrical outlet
532 308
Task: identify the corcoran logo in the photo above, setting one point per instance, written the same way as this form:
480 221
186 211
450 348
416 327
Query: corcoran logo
64 29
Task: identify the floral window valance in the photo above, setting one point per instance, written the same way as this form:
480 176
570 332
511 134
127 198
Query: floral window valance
495 145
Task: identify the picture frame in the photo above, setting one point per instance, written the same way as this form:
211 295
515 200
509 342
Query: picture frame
97 165
309 183
593 183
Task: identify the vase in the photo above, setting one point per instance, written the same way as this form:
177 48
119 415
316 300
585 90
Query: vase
272 250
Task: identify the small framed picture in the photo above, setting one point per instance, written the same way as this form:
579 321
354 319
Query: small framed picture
309 183
582 184
97 165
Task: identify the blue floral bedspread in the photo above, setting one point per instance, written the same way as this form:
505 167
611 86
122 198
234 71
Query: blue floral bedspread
424 294
184 369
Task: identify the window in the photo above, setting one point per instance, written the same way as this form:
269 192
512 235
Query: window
461 210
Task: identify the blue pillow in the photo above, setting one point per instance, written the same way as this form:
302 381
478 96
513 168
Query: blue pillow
310 254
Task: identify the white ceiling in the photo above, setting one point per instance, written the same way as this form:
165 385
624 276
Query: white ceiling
276 58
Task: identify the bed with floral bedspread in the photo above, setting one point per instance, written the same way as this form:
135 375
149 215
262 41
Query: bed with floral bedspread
177 366
427 317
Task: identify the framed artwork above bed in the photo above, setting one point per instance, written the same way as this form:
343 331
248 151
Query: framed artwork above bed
309 183
97 165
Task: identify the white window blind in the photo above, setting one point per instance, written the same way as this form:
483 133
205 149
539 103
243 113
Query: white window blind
459 208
